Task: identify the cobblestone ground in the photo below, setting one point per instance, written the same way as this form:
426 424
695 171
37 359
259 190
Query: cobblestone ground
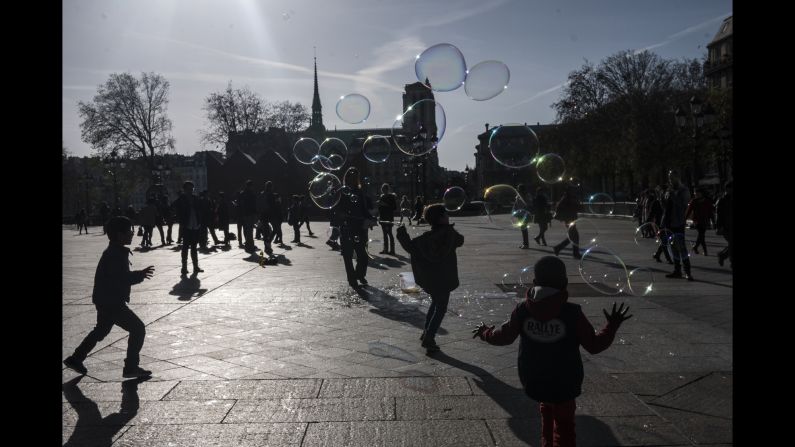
290 355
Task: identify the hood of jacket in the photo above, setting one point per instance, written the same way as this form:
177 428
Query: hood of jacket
544 303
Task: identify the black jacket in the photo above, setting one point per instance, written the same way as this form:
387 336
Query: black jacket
433 258
183 206
113 278
552 331
352 210
567 209
387 204
543 214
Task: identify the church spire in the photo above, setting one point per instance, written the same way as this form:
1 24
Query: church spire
317 116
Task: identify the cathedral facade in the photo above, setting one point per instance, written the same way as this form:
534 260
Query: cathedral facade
268 156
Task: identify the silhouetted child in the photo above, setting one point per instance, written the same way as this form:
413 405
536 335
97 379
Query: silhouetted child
552 331
111 294
295 217
435 266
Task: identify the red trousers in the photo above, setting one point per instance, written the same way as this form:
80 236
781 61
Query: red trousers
557 424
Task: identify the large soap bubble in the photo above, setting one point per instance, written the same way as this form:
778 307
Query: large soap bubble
441 67
420 128
514 145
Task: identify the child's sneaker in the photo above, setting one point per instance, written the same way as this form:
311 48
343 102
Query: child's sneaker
430 345
76 365
135 371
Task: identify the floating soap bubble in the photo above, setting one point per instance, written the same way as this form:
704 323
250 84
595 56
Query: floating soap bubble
441 67
505 207
353 108
325 190
603 270
376 148
334 153
305 149
514 145
601 203
677 247
550 168
454 198
583 233
526 276
420 128
486 80
641 282
319 164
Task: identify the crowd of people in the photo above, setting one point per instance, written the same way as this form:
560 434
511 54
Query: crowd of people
551 328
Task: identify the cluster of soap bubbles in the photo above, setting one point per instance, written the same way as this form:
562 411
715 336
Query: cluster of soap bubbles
442 68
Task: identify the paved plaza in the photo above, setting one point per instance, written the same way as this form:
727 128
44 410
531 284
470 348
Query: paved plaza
290 355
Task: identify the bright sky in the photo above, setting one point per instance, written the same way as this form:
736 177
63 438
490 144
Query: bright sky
366 47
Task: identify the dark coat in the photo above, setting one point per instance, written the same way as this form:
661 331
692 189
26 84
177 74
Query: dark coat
433 257
567 208
387 204
183 207
113 278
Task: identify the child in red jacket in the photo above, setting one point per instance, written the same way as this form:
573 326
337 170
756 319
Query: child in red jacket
552 330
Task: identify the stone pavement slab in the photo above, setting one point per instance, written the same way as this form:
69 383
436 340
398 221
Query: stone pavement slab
291 355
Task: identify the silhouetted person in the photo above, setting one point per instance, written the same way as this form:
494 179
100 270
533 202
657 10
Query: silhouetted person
167 217
147 218
566 211
674 219
405 209
334 224
305 214
104 211
189 217
387 204
355 220
265 202
276 217
248 204
724 223
207 220
81 221
222 212
418 207
552 331
130 214
238 204
111 294
543 214
294 217
701 210
435 266
520 188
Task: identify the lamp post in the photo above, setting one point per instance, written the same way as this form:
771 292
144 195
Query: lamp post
86 180
700 115
723 134
113 163
159 170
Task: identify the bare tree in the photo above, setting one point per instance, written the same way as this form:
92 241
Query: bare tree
233 111
129 115
241 111
292 117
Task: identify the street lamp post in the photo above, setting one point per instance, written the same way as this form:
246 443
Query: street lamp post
723 134
113 163
701 115
86 180
159 171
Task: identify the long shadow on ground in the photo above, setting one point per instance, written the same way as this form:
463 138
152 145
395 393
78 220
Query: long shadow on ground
389 306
